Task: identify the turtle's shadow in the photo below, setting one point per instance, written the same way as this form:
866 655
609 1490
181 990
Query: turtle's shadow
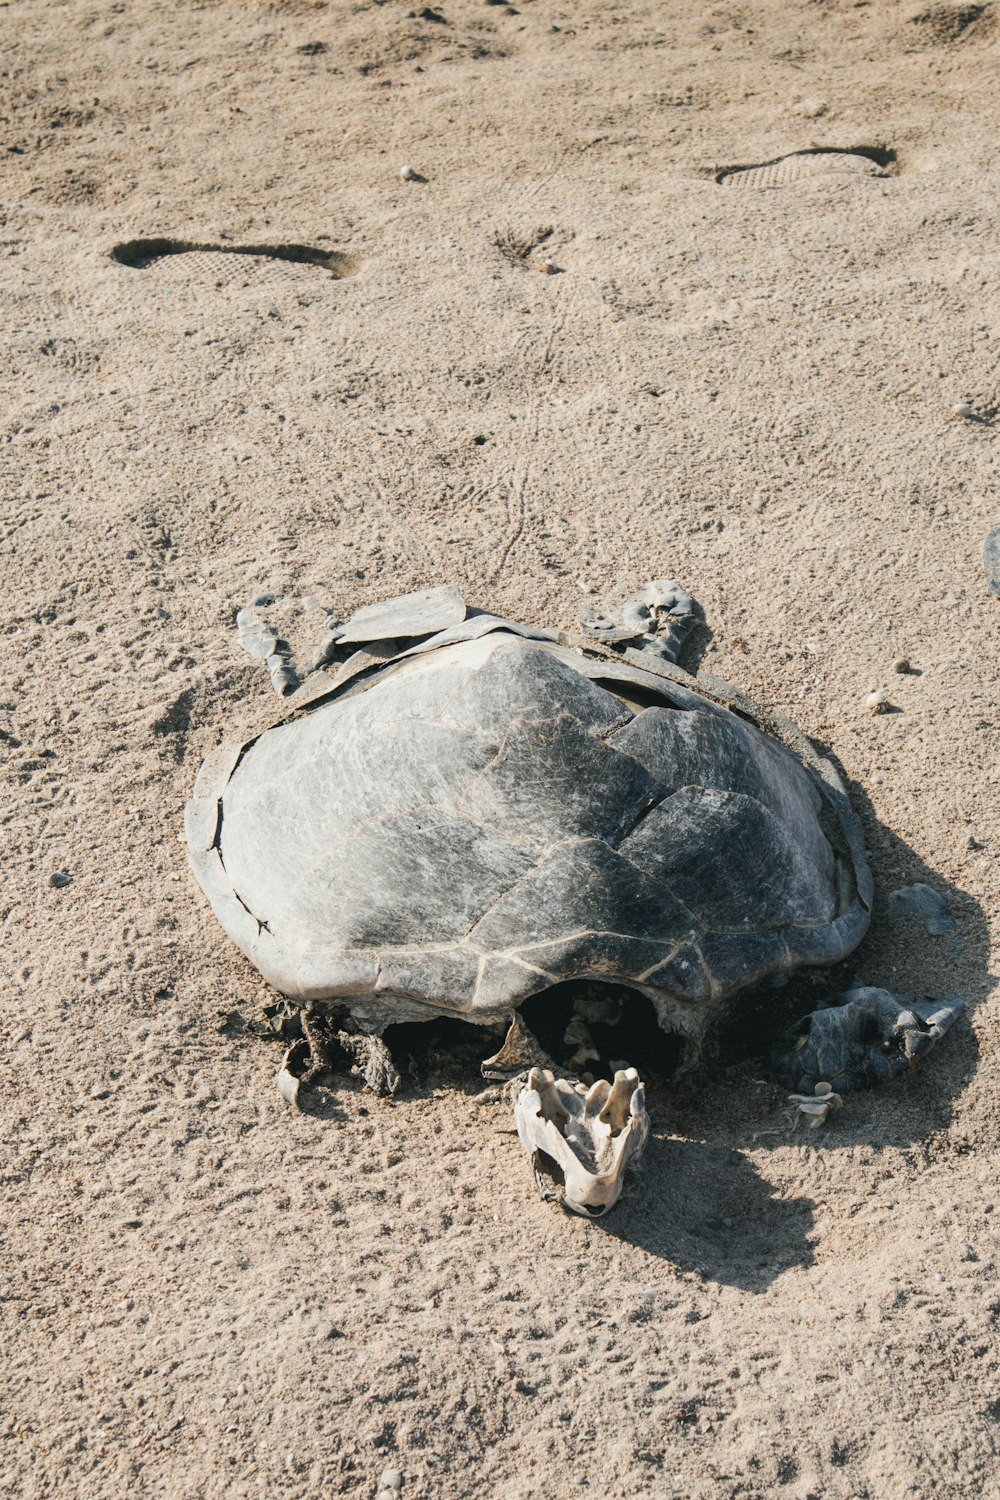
704 1207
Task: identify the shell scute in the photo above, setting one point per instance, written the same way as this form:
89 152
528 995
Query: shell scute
731 861
720 752
551 780
522 680
582 886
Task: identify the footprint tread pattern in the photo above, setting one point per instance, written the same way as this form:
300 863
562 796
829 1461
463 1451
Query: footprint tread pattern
800 165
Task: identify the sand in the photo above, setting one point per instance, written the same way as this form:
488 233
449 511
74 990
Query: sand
746 384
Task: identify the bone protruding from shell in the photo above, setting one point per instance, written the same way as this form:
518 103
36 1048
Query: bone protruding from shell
288 1079
582 1140
577 1034
520 1052
815 1108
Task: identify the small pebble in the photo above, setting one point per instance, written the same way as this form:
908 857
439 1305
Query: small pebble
59 879
391 1479
547 267
877 702
407 173
263 601
901 665
963 409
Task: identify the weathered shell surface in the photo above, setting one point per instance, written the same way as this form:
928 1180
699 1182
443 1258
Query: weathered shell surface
482 818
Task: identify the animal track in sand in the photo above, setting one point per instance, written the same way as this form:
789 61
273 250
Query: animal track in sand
519 248
142 254
816 161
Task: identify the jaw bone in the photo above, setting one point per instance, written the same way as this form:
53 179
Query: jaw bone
589 1136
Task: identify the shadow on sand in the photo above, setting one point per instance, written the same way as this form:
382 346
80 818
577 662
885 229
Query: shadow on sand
704 1207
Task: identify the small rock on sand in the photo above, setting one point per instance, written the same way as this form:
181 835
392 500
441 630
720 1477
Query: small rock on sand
991 561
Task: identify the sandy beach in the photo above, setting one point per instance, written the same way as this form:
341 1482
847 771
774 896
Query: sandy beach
775 275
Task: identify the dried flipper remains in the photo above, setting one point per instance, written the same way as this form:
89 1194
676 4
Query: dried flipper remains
260 641
866 1039
658 619
456 816
310 1058
370 1060
410 617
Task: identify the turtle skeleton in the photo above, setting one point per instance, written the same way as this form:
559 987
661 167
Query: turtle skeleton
455 813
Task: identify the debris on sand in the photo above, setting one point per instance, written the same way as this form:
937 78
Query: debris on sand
991 561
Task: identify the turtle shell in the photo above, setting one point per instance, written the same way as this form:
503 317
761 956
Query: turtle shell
478 819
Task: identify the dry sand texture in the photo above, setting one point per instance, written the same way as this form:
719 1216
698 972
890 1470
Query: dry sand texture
747 384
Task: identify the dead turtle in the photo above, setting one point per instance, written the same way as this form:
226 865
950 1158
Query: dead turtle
454 814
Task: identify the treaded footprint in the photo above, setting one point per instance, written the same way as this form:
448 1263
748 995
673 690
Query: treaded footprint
795 166
141 254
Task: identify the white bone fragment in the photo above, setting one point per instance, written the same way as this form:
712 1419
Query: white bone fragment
815 1107
288 1084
